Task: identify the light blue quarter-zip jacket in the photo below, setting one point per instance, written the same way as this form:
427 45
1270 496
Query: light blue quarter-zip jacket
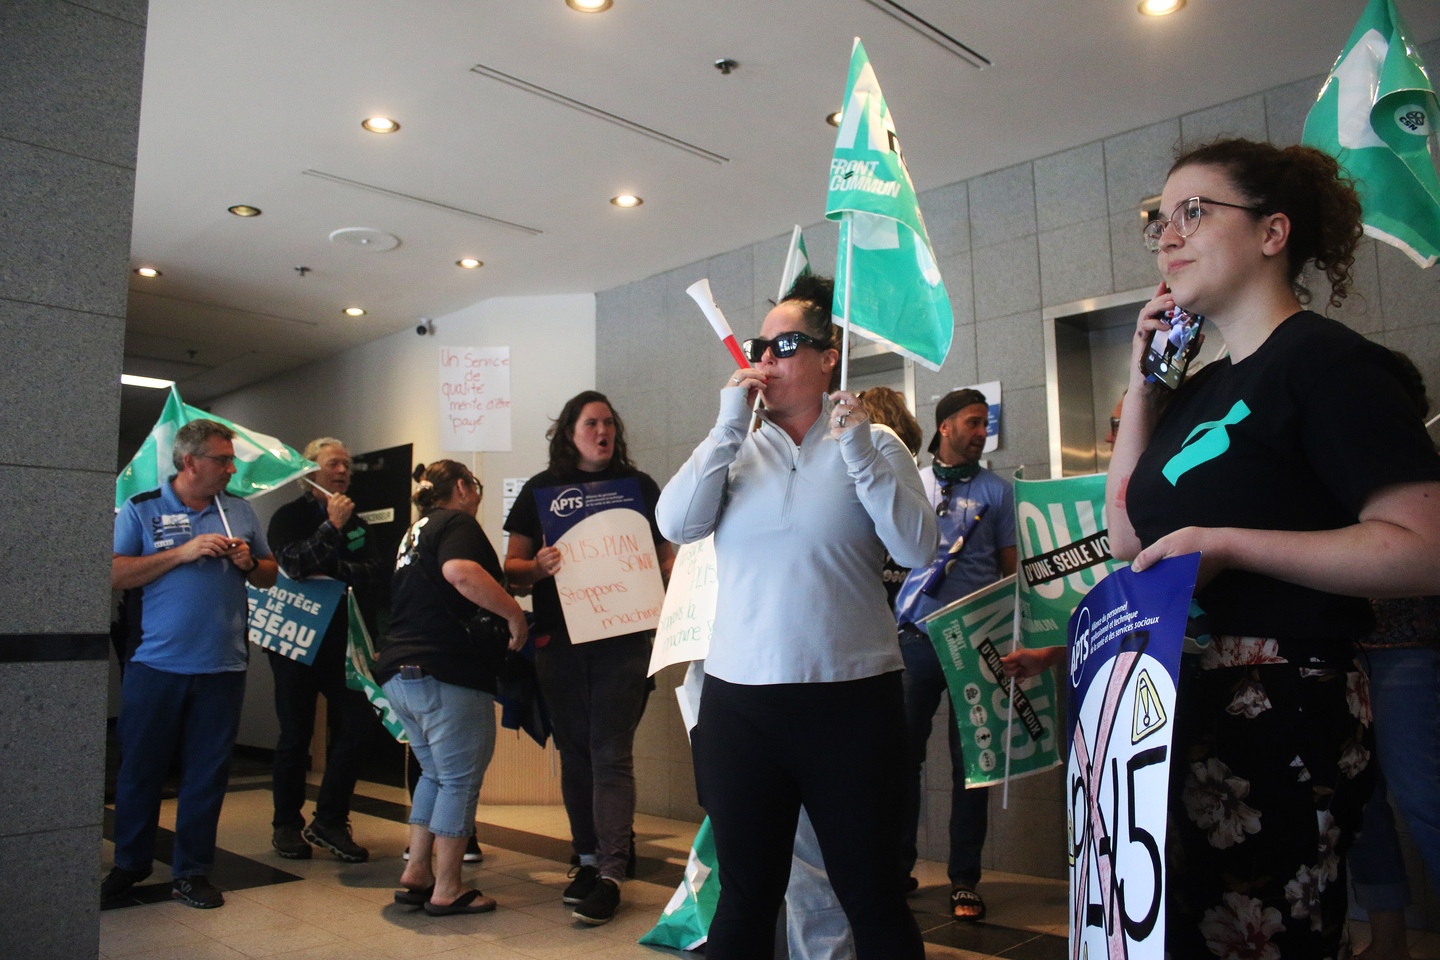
800 538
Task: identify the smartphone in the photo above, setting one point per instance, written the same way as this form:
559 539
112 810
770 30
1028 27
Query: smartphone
1169 353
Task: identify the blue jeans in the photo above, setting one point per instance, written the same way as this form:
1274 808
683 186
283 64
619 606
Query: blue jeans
160 712
1405 700
969 809
452 733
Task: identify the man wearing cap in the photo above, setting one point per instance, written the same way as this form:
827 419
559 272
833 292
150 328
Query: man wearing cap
976 510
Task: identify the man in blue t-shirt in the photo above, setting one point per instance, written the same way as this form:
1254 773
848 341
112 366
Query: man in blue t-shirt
186 549
977 547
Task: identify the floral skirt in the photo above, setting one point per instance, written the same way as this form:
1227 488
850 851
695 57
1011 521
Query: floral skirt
1269 777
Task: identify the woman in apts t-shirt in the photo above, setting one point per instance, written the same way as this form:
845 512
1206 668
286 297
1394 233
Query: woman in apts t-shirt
1296 466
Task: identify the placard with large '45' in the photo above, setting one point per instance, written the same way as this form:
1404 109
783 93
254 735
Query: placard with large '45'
1124 649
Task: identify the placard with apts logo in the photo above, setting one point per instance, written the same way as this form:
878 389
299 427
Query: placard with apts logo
609 583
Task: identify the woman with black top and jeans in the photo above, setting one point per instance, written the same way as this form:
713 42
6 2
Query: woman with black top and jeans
596 691
1297 467
440 678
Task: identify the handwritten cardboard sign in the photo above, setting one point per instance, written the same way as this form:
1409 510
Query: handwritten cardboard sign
475 398
609 582
687 621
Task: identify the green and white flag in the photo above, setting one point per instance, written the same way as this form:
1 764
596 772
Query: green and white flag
797 263
887 285
685 922
1375 114
262 462
360 667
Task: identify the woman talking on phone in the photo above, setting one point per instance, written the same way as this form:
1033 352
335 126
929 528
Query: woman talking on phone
802 700
1297 468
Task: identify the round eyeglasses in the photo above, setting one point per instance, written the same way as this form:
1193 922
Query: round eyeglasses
1184 220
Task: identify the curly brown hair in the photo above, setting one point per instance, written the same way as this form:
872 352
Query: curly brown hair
887 408
564 455
1307 186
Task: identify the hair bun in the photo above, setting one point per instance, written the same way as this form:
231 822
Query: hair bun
418 473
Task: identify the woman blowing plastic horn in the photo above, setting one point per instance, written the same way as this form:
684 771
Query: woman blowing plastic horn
802 701
1298 468
438 672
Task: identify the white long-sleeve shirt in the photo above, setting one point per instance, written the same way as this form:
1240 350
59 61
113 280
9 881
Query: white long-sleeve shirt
800 538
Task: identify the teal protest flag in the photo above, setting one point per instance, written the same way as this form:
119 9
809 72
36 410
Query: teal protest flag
1375 115
360 667
685 922
797 264
262 462
892 291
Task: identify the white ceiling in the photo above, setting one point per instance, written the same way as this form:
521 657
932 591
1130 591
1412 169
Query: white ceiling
240 99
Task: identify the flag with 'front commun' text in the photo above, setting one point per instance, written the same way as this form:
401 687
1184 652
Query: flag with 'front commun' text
887 286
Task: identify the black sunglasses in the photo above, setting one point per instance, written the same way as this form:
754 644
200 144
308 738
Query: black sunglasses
784 345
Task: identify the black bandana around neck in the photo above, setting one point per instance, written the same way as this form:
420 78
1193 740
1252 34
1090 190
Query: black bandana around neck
947 474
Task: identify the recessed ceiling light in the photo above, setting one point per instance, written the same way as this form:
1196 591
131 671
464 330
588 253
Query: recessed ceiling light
626 200
130 380
379 124
469 263
354 312
833 118
589 6
244 210
149 273
1160 8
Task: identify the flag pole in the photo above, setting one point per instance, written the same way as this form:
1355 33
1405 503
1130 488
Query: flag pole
845 343
1010 711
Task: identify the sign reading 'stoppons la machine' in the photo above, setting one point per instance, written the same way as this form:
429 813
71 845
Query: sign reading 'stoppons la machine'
1125 640
609 582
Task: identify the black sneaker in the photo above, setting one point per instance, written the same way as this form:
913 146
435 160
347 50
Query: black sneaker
197 891
582 884
290 843
472 851
337 840
118 882
600 906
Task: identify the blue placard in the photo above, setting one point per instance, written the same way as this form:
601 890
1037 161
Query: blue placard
1125 640
562 508
291 617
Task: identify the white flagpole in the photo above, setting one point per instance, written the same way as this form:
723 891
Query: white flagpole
849 273
224 519
317 487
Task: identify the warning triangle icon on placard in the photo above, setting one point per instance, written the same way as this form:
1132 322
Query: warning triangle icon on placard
1149 714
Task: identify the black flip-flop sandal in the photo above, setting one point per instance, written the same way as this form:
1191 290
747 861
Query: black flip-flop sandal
413 896
960 897
471 901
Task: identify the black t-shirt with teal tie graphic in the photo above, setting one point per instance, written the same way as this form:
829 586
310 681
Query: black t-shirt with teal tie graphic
1294 437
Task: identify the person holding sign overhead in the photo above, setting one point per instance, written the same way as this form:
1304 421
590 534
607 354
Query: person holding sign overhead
803 702
595 686
438 668
1296 466
319 534
188 548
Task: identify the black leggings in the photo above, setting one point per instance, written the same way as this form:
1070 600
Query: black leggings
838 749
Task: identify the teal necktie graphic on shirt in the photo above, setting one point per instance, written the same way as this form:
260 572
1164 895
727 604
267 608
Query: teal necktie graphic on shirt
1206 442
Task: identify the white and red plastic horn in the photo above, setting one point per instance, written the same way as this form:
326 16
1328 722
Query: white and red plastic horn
700 292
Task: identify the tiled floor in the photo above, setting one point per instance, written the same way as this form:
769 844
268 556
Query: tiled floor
333 910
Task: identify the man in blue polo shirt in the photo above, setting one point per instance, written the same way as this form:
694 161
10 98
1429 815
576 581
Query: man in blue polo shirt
187 548
977 547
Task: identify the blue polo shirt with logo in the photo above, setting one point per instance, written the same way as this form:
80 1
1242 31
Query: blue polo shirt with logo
192 618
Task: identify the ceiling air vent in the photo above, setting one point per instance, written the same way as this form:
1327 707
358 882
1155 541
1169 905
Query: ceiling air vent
931 32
